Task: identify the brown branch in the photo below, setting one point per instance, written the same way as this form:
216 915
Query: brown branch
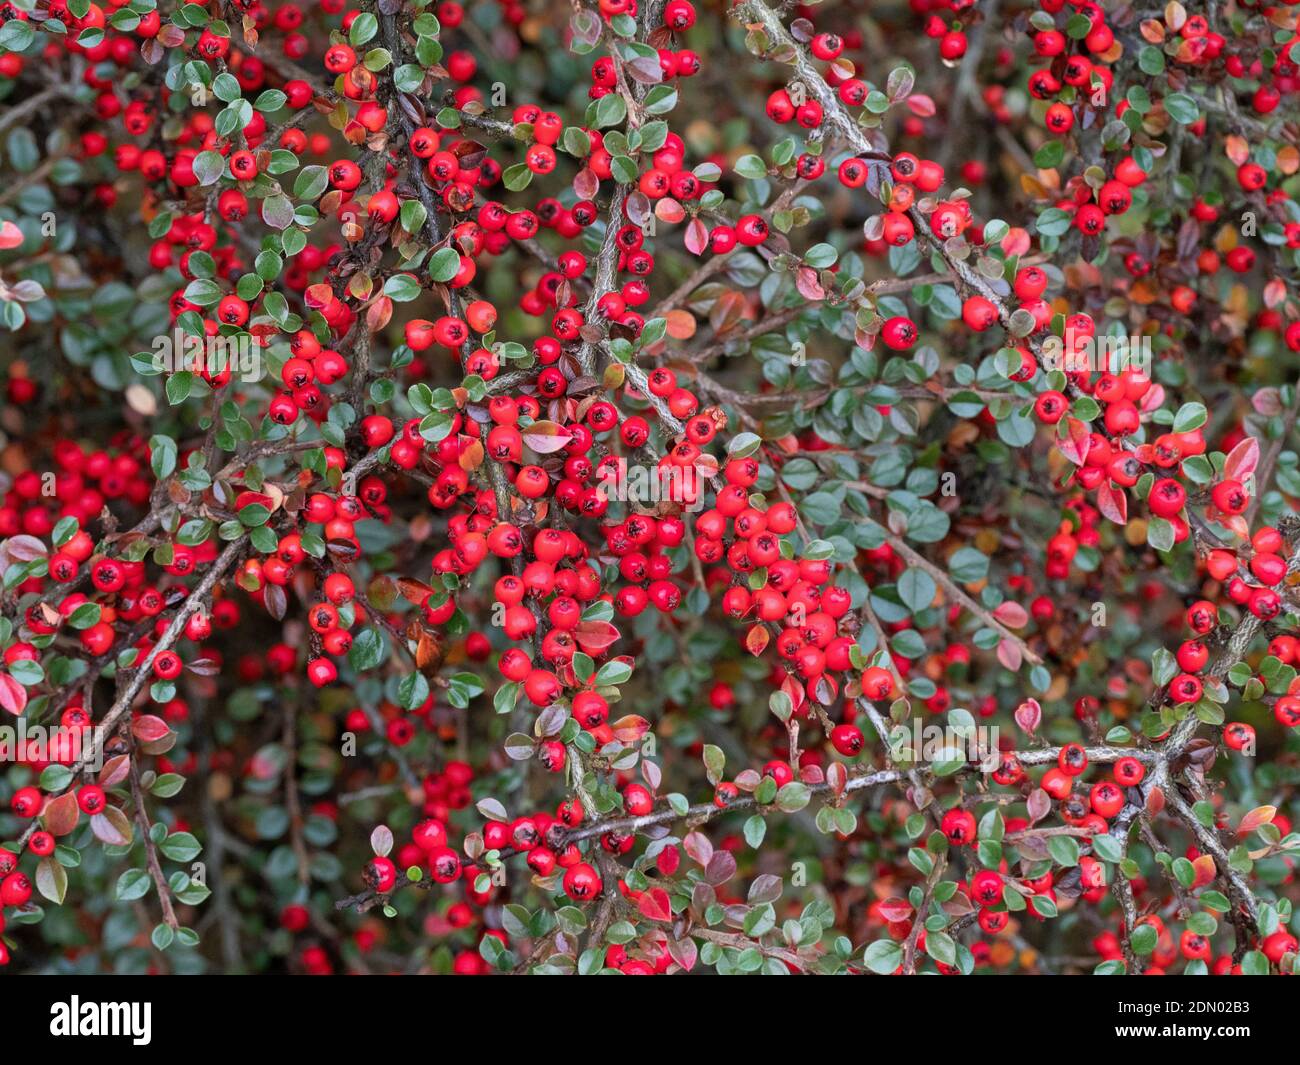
143 670
1264 472
918 922
151 852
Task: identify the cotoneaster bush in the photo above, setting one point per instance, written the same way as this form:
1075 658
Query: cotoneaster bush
492 487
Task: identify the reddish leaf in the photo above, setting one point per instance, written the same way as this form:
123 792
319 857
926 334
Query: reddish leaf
414 591
471 456
894 909
112 827
826 689
1153 400
115 771
756 639
1012 614
681 324
318 296
1206 870
1039 805
765 888
52 880
808 285
1009 654
546 437
1016 242
149 728
721 868
920 105
595 637
1241 460
379 313
24 548
698 847
629 729
837 777
275 601
669 210
684 952
586 184
1075 442
13 696
654 905
1261 815
61 814
1113 503
727 311
697 237
1029 715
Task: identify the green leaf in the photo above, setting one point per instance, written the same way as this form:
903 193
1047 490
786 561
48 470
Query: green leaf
1143 940
368 650
162 456
884 956
52 880
610 110
131 885
209 167
1064 850
363 29
1151 60
277 211
1050 155
1190 416
55 778
613 672
162 936
270 100
714 762
917 589
444 264
1160 534
180 847
517 178
167 785
1182 108
623 169
940 946
792 797
1107 848
1053 222
310 183
402 288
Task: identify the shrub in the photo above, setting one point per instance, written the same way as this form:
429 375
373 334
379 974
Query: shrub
649 488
